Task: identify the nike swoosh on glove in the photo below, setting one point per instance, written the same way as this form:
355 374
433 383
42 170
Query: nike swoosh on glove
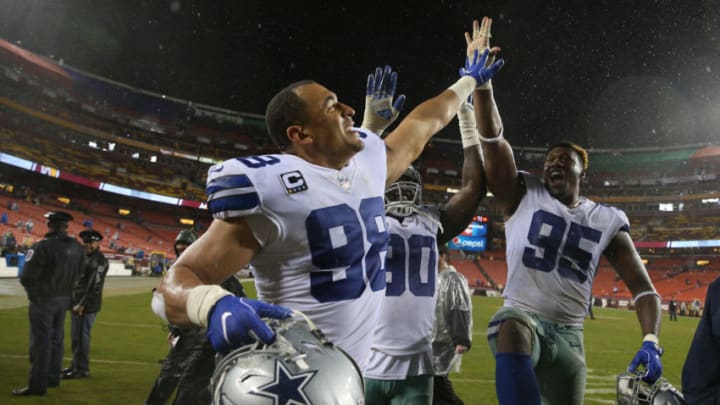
648 357
234 322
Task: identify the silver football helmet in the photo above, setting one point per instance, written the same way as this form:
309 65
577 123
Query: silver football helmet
631 390
404 197
301 367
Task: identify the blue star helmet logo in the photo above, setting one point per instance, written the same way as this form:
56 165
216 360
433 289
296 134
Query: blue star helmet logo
286 388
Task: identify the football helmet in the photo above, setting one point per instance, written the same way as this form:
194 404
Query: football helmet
301 367
404 197
186 237
631 390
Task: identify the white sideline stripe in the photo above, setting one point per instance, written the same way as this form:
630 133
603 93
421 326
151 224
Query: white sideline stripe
600 391
128 362
600 401
592 390
601 377
135 325
123 324
473 380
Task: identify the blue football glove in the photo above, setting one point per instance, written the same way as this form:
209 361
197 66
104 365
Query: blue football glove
235 322
380 110
649 357
477 69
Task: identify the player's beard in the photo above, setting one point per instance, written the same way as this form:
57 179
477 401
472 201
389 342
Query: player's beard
356 143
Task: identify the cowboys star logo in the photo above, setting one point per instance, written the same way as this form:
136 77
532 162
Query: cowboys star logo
286 388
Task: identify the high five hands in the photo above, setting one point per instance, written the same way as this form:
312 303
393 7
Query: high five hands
478 46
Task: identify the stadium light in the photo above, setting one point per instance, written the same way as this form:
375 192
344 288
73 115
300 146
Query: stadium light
187 221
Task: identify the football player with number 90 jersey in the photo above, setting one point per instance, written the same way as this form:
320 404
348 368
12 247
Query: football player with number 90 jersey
400 368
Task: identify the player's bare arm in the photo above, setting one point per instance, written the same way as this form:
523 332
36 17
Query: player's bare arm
624 258
461 207
407 141
500 169
221 251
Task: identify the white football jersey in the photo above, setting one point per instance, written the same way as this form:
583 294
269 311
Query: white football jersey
322 233
406 321
553 252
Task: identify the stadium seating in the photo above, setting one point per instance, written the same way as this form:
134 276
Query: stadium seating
45 119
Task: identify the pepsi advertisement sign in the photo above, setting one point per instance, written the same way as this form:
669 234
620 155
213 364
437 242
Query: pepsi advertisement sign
473 238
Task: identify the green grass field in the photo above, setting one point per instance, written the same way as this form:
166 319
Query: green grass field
128 340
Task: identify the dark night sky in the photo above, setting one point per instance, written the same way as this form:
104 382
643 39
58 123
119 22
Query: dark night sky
603 73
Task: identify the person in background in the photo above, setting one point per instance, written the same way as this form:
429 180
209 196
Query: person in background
52 266
701 371
695 308
683 308
555 238
87 300
191 360
9 244
672 308
452 332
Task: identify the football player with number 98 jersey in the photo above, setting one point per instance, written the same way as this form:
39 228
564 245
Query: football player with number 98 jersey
322 233
309 219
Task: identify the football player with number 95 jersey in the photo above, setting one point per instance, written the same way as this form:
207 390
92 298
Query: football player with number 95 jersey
555 239
310 219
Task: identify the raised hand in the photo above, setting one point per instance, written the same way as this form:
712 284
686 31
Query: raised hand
235 322
479 69
480 41
380 110
648 357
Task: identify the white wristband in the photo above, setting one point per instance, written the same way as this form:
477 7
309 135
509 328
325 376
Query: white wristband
464 87
468 130
200 300
492 140
644 293
470 139
651 337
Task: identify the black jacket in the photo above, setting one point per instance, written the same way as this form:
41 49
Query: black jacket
88 289
52 265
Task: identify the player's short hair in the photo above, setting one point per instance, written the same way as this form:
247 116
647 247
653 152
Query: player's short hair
582 152
286 108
